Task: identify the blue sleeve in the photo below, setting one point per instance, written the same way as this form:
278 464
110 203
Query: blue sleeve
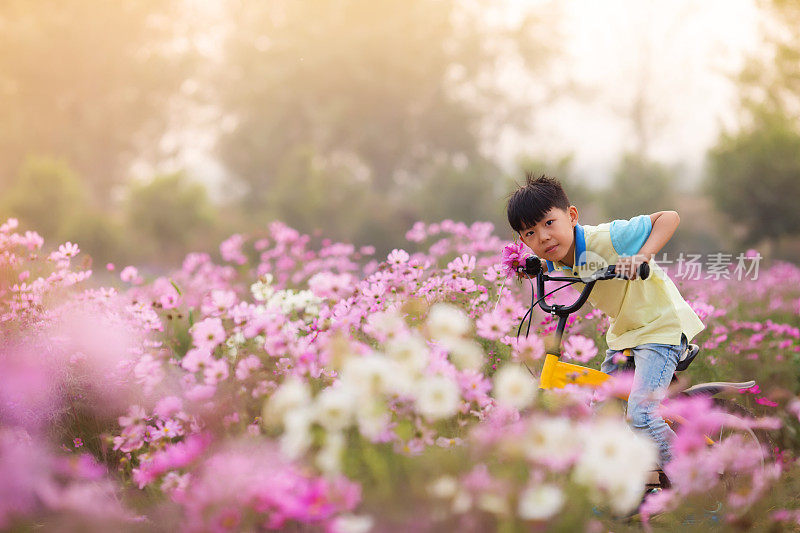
628 236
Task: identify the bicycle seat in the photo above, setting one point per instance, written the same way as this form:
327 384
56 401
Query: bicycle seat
687 357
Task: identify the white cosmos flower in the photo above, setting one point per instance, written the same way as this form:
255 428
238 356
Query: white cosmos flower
261 291
410 351
388 323
368 376
446 321
296 438
493 503
540 503
438 397
465 354
443 487
514 387
334 408
551 438
372 418
292 393
350 523
329 458
615 464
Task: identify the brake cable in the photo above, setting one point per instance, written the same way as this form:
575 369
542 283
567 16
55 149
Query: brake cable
533 305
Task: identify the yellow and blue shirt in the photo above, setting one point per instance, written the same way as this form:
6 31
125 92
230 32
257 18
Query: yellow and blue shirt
641 311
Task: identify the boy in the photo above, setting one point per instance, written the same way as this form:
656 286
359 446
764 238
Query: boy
648 316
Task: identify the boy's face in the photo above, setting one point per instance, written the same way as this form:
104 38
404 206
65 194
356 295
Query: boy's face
553 237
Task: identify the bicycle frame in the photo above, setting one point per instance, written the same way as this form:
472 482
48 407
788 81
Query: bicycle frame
557 374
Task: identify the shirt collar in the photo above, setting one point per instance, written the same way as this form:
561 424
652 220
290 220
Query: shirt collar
580 250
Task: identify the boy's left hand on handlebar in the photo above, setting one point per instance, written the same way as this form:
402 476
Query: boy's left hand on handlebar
628 267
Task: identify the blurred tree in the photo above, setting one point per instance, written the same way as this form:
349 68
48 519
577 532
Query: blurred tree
398 86
458 194
168 217
753 172
639 186
51 199
754 177
311 194
87 81
770 80
47 197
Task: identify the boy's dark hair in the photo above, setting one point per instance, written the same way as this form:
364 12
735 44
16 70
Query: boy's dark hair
528 204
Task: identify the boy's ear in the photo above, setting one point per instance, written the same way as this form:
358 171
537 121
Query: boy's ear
573 215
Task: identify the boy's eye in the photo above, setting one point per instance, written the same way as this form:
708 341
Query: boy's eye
548 222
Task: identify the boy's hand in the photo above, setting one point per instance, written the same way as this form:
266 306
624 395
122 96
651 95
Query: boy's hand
628 266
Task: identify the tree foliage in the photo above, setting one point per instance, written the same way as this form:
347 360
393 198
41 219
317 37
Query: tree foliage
754 171
168 216
754 177
639 186
85 81
396 87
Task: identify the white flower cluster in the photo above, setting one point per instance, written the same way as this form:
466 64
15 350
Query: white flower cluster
286 301
614 464
448 325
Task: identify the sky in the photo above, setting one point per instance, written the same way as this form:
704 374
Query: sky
679 54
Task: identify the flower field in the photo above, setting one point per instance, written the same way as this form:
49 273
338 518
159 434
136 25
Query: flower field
306 385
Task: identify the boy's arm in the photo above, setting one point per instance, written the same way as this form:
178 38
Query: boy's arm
664 225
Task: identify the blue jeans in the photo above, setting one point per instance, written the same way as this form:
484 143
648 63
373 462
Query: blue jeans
655 364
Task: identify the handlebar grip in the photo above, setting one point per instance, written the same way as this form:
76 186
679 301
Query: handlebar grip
644 271
533 265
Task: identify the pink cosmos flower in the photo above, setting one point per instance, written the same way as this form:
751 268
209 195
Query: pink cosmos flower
208 333
397 257
514 256
130 274
215 372
168 406
416 233
474 386
231 250
196 359
580 348
462 265
528 348
492 326
246 366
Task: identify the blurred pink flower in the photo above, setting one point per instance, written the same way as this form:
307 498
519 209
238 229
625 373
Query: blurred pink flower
208 333
580 348
492 326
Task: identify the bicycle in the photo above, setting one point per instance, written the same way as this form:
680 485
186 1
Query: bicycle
558 374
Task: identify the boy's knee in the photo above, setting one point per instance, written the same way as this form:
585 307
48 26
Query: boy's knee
640 419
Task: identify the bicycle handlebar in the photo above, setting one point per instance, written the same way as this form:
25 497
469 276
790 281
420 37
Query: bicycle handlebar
533 267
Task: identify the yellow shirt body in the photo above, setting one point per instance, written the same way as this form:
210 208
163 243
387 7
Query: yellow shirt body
641 311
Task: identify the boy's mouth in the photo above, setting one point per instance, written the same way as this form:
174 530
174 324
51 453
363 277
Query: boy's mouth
551 249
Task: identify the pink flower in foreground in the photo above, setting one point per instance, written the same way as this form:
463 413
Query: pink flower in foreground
766 401
208 333
513 256
492 326
528 348
580 348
